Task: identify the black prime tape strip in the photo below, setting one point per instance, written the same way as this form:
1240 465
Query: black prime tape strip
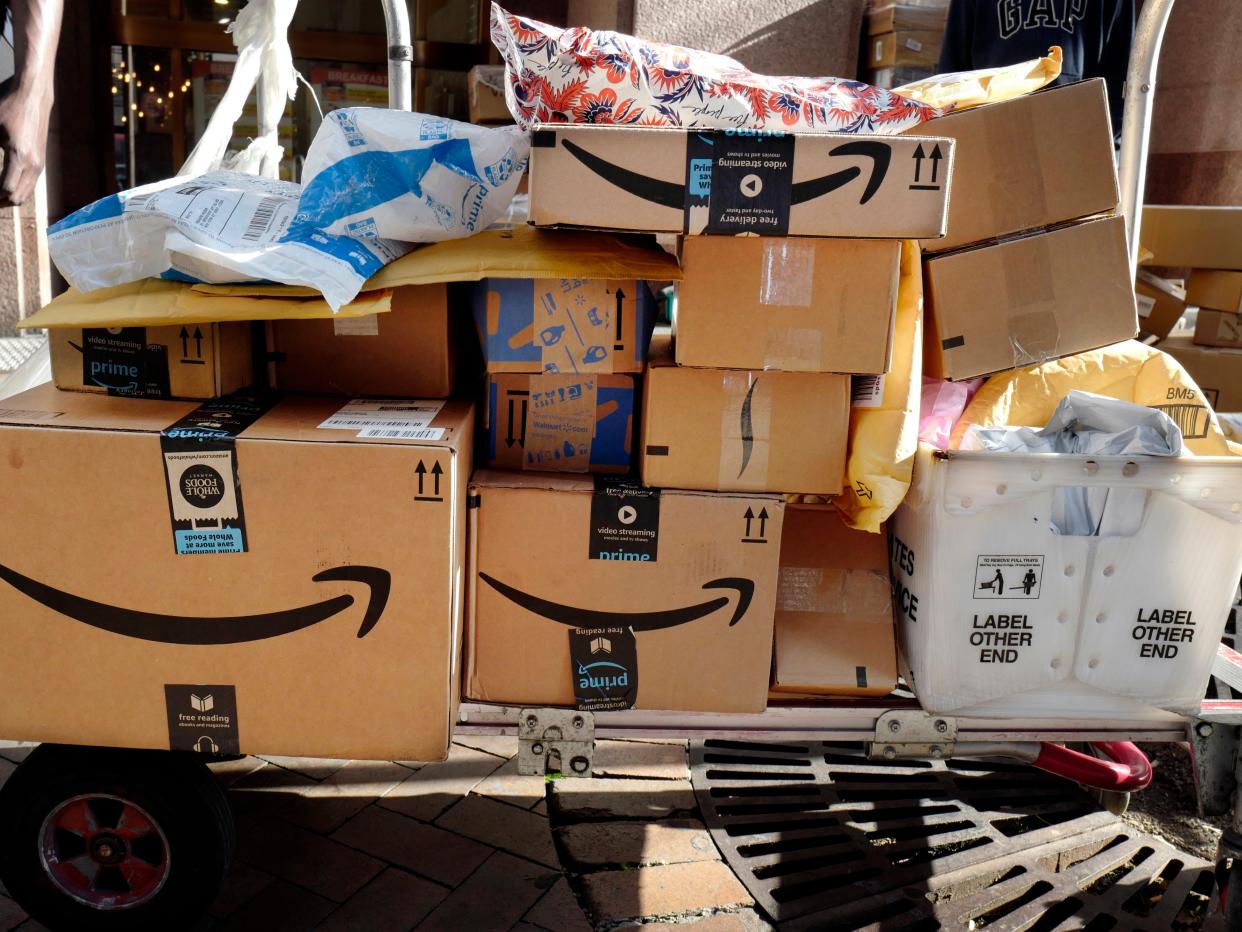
544 139
860 677
953 342
473 501
654 450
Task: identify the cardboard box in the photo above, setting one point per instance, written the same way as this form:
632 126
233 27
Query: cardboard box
1028 163
216 578
563 325
744 431
899 17
834 608
692 576
560 423
1161 304
1220 291
194 361
1218 328
408 352
1193 237
730 182
1028 300
1217 372
904 47
811 305
486 93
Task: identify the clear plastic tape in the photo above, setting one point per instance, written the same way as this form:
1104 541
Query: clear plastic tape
1034 334
560 422
812 589
1015 190
793 349
788 273
745 426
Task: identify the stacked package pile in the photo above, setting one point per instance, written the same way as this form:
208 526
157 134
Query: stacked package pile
903 40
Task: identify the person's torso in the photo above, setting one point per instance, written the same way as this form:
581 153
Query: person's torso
1007 31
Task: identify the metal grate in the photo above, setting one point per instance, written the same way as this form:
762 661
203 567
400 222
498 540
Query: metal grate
16 350
825 839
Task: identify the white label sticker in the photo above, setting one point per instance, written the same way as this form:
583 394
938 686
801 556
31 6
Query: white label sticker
914 45
1146 304
402 433
879 49
365 326
866 391
394 414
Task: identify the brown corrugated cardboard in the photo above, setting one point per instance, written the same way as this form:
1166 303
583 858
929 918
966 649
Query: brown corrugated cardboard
742 430
692 575
1028 300
196 362
794 304
485 88
904 48
897 17
834 614
314 607
560 423
1028 163
1217 372
1161 304
669 180
405 353
1220 291
1218 328
1193 237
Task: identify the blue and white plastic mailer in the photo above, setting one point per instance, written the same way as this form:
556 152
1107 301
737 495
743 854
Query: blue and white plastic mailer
408 176
219 227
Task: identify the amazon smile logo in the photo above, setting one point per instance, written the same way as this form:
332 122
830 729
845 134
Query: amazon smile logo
638 621
190 629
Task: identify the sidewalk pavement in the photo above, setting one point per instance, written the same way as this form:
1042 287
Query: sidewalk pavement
372 846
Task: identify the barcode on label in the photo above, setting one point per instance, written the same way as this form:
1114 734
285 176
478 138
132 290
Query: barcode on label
866 391
139 201
193 189
385 433
262 219
1192 420
340 422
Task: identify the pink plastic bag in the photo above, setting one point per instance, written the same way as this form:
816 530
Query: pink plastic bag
579 76
942 406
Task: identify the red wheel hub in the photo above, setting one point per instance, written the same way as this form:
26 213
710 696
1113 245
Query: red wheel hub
104 851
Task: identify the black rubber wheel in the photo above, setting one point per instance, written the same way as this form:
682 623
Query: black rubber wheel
107 839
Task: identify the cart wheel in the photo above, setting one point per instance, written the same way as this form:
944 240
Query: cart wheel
107 839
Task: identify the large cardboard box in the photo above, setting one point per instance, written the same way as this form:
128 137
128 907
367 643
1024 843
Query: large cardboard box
795 304
193 361
1217 372
1028 300
231 577
743 430
1193 237
660 599
834 608
1218 290
560 423
899 17
1028 163
735 181
1161 304
1218 328
904 47
485 89
563 325
408 352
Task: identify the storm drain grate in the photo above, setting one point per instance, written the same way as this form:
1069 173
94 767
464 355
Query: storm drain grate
825 839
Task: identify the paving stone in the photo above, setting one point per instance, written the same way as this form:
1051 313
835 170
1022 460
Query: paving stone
325 806
317 768
301 857
267 790
393 902
635 759
282 907
599 798
432 789
558 911
11 915
424 849
509 786
743 920
495 897
501 826
542 807
241 884
666 890
593 845
228 772
505 746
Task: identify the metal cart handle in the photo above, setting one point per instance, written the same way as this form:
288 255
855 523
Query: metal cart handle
1140 90
401 54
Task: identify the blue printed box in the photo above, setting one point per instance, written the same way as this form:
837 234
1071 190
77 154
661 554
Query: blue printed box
564 326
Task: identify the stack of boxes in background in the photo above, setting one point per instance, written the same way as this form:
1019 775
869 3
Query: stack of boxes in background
902 41
485 94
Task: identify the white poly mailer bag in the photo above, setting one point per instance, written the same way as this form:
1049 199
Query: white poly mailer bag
219 227
408 176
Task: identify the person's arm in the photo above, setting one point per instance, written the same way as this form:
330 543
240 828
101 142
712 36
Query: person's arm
1115 58
955 51
27 104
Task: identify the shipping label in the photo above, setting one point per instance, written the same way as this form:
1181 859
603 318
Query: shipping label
386 418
